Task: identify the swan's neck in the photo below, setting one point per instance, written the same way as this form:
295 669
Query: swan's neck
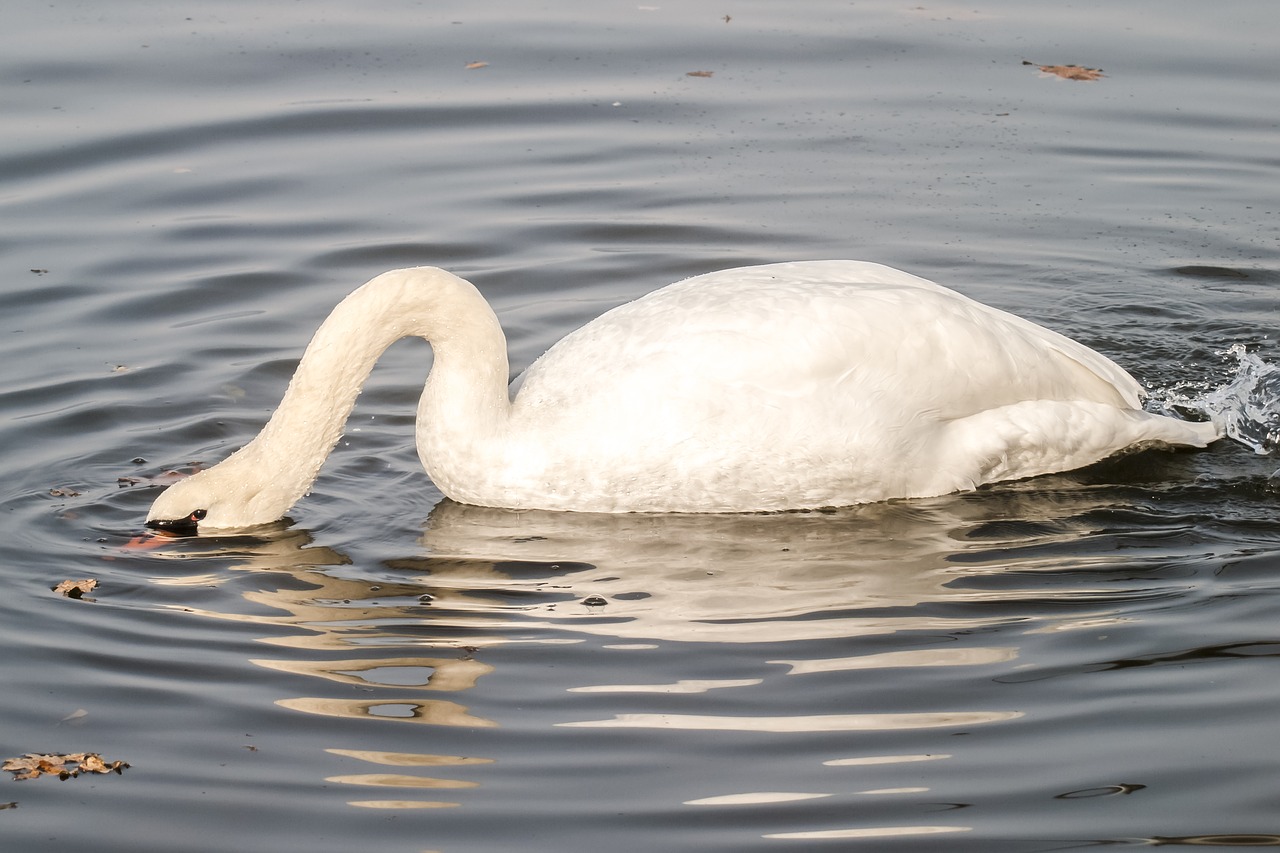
466 392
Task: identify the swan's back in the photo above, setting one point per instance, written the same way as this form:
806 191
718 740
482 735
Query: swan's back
837 328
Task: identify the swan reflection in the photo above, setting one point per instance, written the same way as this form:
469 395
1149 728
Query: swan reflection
740 578
493 576
414 635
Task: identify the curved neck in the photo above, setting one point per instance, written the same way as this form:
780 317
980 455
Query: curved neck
467 387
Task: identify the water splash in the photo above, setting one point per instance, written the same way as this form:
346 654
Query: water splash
1247 405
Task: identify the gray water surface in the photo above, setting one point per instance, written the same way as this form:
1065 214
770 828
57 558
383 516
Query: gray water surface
186 189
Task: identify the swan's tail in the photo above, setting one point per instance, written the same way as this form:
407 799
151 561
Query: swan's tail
1180 433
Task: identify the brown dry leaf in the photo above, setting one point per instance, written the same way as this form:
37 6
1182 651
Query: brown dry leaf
474 65
76 589
698 73
64 493
64 766
1069 72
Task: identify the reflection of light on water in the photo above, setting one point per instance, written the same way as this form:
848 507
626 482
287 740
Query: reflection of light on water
401 804
409 759
434 712
448 674
398 780
393 780
870 760
870 832
754 799
204 580
682 686
895 660
814 723
1089 624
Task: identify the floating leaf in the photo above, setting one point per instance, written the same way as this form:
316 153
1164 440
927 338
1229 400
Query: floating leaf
1069 72
64 766
698 73
474 65
64 493
75 718
76 589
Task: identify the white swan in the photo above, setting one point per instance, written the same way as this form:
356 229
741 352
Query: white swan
785 386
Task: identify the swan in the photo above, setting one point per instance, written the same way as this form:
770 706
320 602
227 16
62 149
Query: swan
784 386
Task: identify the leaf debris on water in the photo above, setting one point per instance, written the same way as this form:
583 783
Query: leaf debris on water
699 73
1069 72
76 589
64 493
64 766
479 64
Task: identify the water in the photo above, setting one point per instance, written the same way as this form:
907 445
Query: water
1075 661
1247 406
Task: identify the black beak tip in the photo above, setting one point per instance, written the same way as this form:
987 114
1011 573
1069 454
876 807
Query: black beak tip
174 526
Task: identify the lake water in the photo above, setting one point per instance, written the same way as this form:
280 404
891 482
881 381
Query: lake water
186 189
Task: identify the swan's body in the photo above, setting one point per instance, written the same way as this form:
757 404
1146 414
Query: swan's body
786 386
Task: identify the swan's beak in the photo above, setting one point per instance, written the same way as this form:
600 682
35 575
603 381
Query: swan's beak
174 526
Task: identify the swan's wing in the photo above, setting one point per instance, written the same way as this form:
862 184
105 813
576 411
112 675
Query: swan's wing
1088 359
1045 436
863 273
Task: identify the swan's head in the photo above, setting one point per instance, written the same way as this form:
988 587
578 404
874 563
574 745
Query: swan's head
220 499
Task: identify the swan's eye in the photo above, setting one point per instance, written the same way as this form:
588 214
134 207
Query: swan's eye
198 515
